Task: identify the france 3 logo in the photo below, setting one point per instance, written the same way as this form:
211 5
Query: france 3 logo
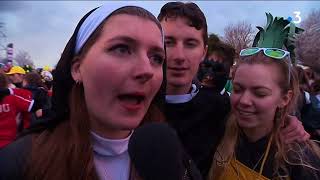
297 17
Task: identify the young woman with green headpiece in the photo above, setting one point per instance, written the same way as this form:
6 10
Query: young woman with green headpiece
265 89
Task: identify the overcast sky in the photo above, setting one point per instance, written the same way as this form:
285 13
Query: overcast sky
42 28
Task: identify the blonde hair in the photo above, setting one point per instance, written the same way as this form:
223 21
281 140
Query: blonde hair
285 154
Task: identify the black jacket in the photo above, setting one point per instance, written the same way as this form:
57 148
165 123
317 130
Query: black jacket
249 153
13 158
40 95
200 125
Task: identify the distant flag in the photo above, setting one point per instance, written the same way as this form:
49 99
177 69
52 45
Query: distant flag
10 53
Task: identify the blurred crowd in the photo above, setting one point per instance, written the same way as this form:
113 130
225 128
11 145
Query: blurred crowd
25 87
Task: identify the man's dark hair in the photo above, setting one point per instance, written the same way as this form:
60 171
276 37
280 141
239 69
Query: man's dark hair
221 49
34 79
190 11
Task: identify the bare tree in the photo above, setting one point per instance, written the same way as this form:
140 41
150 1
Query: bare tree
23 58
239 35
2 36
312 19
308 43
2 47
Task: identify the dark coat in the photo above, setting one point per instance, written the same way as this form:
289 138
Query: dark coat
14 157
249 154
200 125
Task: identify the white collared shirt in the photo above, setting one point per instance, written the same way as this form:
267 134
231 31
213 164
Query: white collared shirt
182 98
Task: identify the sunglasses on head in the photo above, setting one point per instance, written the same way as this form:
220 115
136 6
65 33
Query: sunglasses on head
275 53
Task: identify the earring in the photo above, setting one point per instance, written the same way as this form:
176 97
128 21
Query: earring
78 82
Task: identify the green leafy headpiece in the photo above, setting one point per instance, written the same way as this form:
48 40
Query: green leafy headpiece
278 33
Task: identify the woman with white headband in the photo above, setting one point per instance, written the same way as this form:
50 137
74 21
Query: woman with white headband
108 80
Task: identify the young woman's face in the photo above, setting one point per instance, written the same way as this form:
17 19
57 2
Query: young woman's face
122 72
256 95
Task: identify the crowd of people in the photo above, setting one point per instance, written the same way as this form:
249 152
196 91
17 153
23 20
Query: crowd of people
20 90
251 117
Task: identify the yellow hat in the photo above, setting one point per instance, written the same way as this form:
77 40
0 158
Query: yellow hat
16 70
47 68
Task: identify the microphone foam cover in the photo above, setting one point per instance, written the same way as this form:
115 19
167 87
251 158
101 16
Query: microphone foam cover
156 152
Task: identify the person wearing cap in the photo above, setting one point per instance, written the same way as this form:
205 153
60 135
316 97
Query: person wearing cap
16 75
10 107
108 81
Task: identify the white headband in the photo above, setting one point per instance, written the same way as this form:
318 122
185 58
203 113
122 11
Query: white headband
95 19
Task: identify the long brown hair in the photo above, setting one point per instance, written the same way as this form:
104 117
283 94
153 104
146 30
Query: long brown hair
64 151
285 154
34 79
4 81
